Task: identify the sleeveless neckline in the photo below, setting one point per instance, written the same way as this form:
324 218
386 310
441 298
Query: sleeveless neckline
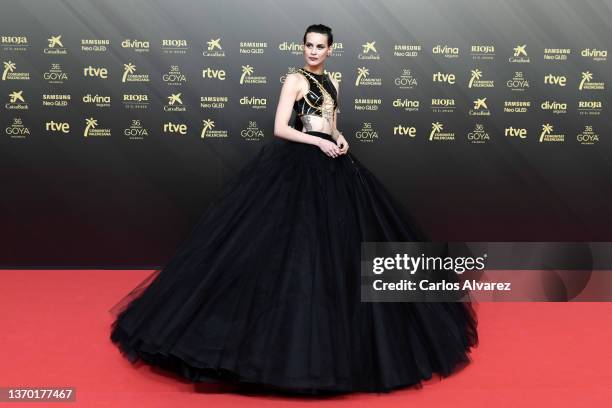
310 72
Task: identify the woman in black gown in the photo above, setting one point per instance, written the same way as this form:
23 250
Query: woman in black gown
265 290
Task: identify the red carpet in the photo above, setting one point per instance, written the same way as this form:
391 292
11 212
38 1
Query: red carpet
55 327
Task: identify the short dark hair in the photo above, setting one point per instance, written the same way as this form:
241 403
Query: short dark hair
321 29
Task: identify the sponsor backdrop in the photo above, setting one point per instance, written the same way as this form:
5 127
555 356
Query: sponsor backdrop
120 120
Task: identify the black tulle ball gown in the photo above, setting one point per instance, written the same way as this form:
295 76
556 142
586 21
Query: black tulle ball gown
265 289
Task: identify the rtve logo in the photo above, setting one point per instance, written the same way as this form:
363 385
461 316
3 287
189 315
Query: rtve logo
175 128
214 73
515 132
404 130
53 126
551 79
440 77
95 72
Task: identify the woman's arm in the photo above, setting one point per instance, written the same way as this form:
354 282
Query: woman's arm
289 91
335 132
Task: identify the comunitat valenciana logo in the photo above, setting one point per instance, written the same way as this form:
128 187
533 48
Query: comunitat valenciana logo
412 264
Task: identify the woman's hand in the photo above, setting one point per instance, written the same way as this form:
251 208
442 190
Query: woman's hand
329 148
342 144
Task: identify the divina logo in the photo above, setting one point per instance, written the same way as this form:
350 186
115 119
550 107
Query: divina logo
293 47
98 100
136 45
446 51
555 107
254 102
595 54
410 105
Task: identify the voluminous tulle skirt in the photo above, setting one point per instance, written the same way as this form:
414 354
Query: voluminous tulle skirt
265 289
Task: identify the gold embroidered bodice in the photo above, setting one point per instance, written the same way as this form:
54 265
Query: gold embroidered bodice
316 108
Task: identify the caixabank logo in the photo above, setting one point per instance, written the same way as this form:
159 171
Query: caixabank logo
16 101
479 108
55 46
213 48
369 51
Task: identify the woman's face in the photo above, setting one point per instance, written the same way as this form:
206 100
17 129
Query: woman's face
316 49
